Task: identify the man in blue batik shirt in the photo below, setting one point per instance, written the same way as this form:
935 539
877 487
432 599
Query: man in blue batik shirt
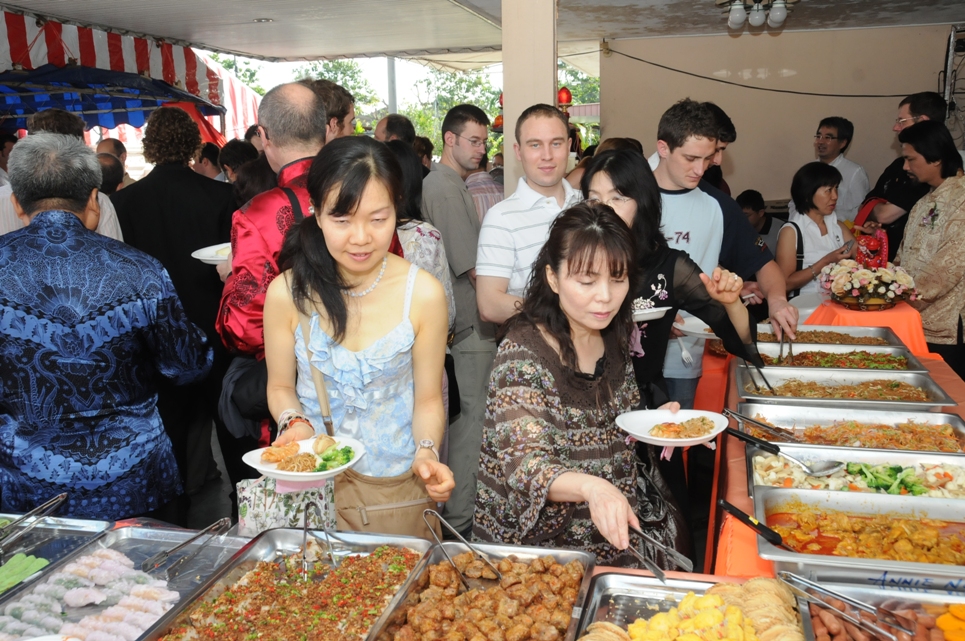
86 323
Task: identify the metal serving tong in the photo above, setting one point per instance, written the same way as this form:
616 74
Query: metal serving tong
763 378
7 535
784 435
652 567
682 562
465 583
883 615
771 536
790 351
159 559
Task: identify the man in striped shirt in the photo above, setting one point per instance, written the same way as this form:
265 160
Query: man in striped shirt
485 191
514 230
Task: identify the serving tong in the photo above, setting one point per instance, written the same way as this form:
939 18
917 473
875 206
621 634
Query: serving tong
817 468
883 615
444 523
784 435
771 536
682 561
763 378
217 528
790 351
8 537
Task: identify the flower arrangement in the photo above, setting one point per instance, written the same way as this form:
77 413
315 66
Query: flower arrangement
867 288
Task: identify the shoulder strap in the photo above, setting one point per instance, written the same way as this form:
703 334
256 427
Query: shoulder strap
320 391
296 206
800 255
409 288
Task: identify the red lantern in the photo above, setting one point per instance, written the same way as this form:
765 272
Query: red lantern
500 100
498 122
564 97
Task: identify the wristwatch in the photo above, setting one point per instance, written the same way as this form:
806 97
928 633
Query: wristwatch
429 444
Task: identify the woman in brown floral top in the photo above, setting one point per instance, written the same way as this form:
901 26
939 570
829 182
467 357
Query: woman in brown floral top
933 249
554 470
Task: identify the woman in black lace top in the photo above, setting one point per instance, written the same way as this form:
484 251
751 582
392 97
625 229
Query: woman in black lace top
668 278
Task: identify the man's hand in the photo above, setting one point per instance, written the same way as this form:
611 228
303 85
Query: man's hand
674 332
751 293
783 317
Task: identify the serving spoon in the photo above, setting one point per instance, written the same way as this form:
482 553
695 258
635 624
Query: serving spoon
815 468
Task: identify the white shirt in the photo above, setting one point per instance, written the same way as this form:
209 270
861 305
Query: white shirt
107 226
4 179
693 222
851 192
816 246
514 230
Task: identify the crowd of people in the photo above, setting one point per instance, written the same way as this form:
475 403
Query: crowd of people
480 347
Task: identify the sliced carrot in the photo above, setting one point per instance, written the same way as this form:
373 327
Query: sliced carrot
788 482
853 487
904 490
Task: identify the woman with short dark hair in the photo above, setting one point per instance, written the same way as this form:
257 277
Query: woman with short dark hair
813 237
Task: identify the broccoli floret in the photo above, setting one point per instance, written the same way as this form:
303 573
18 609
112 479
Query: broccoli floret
895 488
854 468
335 457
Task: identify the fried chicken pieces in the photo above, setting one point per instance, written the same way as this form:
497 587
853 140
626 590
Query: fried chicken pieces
533 602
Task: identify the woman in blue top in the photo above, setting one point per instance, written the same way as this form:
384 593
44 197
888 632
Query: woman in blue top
378 324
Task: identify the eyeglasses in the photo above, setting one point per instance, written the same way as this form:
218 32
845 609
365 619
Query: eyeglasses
616 200
475 142
825 137
899 121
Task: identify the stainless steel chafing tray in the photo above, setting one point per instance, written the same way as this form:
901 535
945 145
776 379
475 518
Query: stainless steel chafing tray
746 388
54 538
812 453
895 596
912 363
795 417
621 599
272 546
885 333
826 568
420 578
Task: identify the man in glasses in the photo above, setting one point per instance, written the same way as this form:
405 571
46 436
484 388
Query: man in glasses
515 229
447 204
896 192
832 139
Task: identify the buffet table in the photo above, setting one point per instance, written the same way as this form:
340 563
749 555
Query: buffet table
735 545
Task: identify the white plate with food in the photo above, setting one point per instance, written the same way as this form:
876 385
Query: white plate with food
695 328
305 456
649 314
672 429
213 255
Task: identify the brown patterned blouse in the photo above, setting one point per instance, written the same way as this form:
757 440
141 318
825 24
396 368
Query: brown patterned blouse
542 419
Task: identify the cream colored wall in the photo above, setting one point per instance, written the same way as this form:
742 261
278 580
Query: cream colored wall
775 131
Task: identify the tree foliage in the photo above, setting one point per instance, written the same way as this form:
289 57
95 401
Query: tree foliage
346 73
243 68
585 89
443 90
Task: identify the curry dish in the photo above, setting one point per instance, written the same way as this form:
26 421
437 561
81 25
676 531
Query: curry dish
876 390
882 536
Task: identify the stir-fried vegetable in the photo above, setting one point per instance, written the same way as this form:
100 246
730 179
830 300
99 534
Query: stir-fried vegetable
849 360
334 457
890 478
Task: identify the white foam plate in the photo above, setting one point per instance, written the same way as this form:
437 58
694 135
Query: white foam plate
695 328
650 314
213 255
639 423
253 458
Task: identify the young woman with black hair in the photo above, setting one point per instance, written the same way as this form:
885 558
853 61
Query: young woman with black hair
377 324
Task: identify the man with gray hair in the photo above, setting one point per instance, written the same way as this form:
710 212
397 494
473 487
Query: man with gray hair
58 121
97 320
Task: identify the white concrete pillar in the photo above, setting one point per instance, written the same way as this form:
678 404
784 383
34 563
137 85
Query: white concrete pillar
529 69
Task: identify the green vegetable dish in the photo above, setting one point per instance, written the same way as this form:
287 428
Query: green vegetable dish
334 457
18 568
889 478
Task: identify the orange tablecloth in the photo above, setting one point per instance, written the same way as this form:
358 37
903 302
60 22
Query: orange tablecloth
737 544
712 388
903 319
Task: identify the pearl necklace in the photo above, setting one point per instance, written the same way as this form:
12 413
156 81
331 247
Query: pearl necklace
368 290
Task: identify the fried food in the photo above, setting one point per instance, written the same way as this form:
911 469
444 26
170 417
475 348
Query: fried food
276 454
824 338
322 443
304 462
691 428
923 437
876 390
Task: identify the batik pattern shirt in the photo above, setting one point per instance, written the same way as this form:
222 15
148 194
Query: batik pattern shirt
86 323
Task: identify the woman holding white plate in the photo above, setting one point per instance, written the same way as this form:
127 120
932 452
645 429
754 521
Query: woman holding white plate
555 470
377 325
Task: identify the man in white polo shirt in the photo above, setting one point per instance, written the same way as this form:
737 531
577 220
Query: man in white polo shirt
514 230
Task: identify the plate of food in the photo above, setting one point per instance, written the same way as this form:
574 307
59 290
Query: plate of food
695 328
672 429
313 459
213 255
649 314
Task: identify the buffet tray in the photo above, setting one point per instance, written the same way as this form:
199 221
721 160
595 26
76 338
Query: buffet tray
271 546
810 453
621 599
772 350
841 569
896 596
778 375
55 537
409 594
864 332
794 416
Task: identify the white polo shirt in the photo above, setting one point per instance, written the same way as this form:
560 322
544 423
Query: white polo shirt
514 231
